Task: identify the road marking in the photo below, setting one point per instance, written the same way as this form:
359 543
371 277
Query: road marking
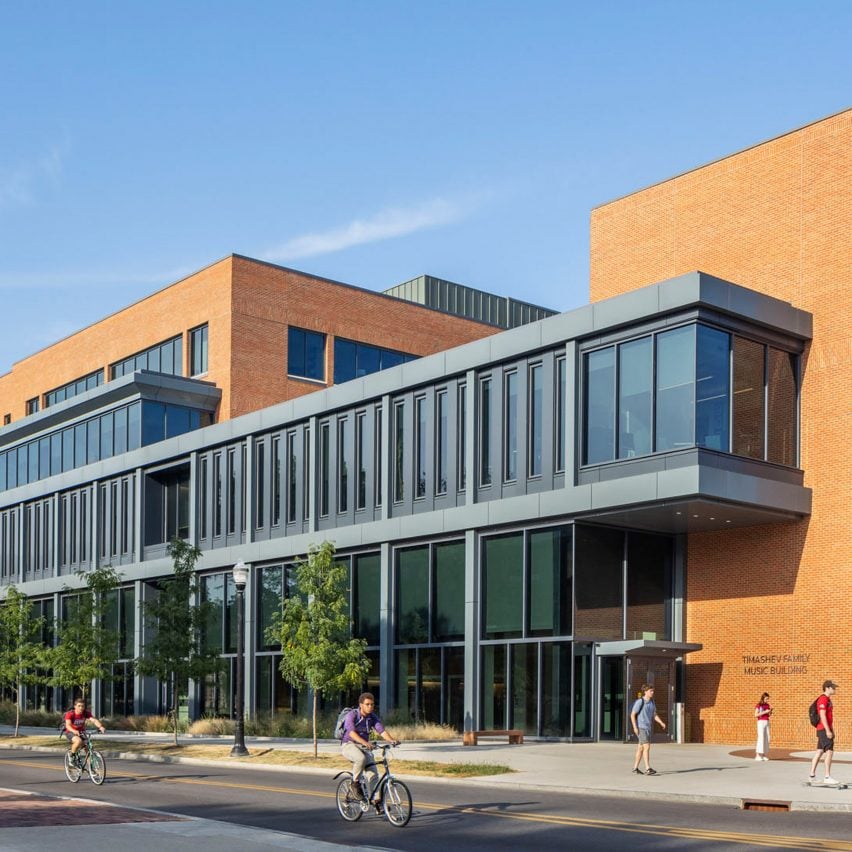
768 840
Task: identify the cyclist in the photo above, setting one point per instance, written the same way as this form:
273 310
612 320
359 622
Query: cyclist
75 725
356 742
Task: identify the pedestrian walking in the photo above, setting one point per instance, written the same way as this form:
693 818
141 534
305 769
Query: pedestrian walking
825 732
643 714
762 712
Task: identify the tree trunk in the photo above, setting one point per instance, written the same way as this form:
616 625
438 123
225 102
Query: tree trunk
315 724
175 703
17 712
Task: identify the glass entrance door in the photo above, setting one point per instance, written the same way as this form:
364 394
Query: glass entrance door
611 698
660 674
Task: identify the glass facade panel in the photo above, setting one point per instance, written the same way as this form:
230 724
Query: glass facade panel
525 687
366 583
782 445
712 389
535 419
550 581
748 398
561 414
441 436
503 592
345 360
270 591
454 688
399 452
582 690
675 413
449 592
305 354
342 465
635 394
198 350
598 582
493 687
412 584
510 438
649 586
420 447
599 384
213 594
485 432
555 689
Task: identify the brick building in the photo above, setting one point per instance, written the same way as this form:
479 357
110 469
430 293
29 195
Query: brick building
535 521
768 603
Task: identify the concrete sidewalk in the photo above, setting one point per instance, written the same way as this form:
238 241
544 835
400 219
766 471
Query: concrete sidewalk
726 775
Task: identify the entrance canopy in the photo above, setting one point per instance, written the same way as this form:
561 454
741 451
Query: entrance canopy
646 648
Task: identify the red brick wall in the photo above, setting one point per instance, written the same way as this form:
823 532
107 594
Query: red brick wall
776 218
199 298
267 299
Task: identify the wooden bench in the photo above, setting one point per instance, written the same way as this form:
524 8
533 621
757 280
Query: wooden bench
471 738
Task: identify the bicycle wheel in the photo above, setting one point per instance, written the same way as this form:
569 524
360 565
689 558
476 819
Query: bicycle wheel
347 804
97 767
73 771
397 803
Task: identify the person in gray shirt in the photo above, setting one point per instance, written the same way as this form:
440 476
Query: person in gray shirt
643 714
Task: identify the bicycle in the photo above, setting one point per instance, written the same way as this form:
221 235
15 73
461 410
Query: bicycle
86 759
391 795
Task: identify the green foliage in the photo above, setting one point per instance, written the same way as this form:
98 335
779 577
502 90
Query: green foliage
87 647
315 631
21 651
176 651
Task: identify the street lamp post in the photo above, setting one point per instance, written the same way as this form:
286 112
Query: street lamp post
240 575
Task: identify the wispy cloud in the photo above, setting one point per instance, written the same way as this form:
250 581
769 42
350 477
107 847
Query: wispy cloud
384 225
19 185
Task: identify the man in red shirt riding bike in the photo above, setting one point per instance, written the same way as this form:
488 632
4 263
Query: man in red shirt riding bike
75 724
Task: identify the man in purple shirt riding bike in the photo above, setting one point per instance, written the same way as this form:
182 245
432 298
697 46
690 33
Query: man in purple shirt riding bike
356 742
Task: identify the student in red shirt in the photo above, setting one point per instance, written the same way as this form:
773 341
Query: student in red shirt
825 732
75 723
762 712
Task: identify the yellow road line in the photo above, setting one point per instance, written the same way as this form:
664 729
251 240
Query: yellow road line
768 840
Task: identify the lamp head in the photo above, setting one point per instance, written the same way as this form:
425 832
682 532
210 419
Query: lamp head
240 574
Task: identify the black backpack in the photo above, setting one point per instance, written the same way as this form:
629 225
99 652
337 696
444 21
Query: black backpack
813 713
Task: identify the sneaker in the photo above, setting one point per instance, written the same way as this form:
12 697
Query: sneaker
764 757
356 792
637 770
650 771
758 757
829 780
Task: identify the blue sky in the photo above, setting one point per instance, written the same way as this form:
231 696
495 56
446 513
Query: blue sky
368 142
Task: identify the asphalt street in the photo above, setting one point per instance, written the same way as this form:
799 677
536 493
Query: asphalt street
451 814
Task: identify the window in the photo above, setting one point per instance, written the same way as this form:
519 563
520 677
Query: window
276 478
399 452
378 450
260 483
32 405
198 350
635 395
165 357
781 445
306 354
536 413
291 477
675 411
360 460
325 464
420 447
749 399
561 419
352 360
712 389
485 432
366 587
72 389
441 441
7 419
510 437
461 431
306 473
599 405
342 465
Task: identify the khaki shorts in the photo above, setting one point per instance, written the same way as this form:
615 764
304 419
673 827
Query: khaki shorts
644 736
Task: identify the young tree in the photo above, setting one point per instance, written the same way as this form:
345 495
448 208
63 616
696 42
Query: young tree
176 652
21 650
315 630
86 646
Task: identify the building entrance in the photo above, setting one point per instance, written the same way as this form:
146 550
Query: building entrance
656 672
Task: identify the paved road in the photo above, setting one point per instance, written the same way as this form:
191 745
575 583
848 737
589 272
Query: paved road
452 815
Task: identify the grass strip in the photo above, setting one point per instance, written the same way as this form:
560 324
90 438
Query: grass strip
271 756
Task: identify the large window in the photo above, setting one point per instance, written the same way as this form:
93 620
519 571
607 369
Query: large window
485 432
510 421
692 386
536 413
71 389
165 357
306 354
598 583
366 586
353 360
